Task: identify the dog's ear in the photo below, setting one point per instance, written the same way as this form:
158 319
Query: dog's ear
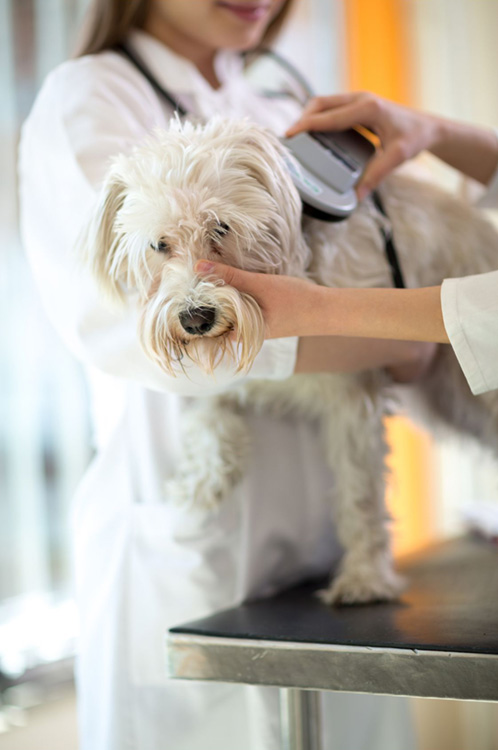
101 238
264 158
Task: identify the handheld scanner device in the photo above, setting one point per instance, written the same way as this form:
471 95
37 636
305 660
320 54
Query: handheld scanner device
325 169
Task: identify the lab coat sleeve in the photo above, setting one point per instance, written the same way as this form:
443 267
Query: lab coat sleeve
489 199
89 110
470 314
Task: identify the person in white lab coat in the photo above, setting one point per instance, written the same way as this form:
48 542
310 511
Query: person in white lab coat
142 564
462 312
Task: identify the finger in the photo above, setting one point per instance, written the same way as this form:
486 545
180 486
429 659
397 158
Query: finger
380 167
228 274
339 119
320 104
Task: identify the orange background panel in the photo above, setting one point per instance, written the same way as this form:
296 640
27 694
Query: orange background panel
410 494
378 44
379 60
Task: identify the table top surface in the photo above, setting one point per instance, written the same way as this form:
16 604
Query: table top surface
450 604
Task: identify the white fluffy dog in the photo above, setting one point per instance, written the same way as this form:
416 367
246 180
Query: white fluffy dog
222 190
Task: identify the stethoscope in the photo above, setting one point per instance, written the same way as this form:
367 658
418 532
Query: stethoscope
296 75
389 247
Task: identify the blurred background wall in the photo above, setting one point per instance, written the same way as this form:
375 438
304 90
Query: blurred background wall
436 54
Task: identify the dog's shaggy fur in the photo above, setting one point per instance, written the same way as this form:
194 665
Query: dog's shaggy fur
223 191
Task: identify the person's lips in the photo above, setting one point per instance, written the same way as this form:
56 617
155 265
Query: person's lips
247 11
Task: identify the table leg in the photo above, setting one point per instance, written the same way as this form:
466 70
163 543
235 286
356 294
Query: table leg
300 719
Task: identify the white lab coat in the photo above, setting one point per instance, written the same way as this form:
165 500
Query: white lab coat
470 314
142 564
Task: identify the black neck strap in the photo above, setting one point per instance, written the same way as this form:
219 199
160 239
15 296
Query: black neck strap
389 247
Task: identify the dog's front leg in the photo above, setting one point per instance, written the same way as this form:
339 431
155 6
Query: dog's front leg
215 447
356 450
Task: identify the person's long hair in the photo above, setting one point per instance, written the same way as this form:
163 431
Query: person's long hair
108 22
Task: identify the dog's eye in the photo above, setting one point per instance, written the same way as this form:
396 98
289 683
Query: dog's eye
221 229
160 247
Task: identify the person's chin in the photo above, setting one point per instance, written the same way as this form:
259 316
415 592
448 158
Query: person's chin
243 40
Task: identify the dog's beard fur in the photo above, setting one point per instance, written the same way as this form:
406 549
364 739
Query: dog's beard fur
238 330
217 191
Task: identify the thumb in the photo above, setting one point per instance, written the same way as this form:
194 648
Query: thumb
382 164
228 274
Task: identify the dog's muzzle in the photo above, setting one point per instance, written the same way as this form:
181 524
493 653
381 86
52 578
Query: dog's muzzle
198 321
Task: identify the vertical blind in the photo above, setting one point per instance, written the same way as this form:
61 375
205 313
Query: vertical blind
44 425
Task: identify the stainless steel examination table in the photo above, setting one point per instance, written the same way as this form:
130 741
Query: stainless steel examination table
439 641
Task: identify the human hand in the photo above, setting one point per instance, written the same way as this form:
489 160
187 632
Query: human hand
287 303
403 132
295 307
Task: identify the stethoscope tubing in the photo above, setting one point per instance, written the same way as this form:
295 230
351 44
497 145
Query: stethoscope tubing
125 50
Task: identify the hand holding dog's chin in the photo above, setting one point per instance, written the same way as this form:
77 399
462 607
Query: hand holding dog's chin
289 305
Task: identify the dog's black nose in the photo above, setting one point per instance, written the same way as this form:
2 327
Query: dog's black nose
198 321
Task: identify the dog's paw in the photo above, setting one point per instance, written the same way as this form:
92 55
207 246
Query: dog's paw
354 588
